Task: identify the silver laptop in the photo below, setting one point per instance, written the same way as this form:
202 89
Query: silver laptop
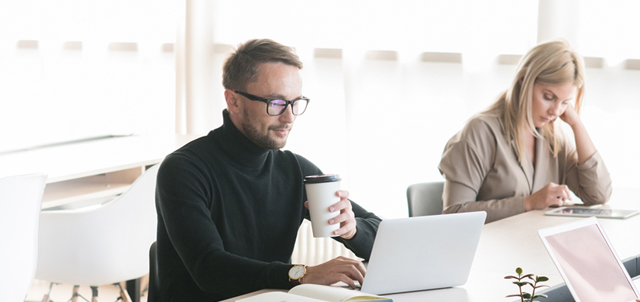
587 262
419 253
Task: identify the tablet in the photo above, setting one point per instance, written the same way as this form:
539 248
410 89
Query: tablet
587 262
588 212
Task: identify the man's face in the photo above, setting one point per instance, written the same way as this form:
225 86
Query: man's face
275 80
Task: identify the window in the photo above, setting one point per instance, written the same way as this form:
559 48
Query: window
76 69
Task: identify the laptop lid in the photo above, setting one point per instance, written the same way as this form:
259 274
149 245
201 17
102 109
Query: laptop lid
587 262
426 252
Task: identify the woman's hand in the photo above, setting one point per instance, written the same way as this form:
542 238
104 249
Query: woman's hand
550 195
570 116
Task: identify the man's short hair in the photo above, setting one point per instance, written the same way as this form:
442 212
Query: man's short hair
241 67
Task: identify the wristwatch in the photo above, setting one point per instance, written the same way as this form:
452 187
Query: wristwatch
296 273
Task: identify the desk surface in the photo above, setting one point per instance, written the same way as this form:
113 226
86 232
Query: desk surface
514 242
75 160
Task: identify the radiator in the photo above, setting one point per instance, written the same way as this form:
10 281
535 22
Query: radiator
313 251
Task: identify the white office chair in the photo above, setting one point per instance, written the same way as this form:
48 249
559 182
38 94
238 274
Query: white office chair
20 202
425 198
103 244
313 251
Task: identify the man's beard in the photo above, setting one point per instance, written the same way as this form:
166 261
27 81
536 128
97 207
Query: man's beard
263 141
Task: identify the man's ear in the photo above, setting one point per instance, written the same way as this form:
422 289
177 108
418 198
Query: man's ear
233 103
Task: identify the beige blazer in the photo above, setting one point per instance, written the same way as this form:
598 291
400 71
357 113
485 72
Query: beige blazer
483 173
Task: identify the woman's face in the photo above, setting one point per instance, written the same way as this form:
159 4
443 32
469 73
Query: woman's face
550 101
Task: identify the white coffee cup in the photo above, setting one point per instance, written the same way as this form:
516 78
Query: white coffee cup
321 194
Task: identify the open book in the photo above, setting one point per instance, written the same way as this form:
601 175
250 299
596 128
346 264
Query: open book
316 293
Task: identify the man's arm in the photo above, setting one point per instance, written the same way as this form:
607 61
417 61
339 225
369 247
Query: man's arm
183 199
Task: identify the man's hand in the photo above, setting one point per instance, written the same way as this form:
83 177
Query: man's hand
339 269
346 218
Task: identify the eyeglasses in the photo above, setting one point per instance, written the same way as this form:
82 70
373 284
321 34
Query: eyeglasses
277 107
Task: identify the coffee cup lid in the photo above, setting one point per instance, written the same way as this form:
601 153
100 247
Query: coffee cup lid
313 179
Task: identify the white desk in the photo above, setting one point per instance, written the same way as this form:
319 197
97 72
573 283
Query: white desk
91 169
514 242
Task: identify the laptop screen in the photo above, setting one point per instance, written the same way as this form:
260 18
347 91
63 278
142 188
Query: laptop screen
588 264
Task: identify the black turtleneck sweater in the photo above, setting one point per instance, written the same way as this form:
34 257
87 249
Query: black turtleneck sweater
228 216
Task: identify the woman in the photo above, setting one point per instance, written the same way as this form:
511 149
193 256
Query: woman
513 157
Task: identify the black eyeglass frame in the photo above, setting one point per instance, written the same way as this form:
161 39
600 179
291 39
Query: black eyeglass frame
268 102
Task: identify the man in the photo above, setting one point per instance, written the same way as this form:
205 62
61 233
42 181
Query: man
230 203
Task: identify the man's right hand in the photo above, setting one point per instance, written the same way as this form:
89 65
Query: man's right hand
339 269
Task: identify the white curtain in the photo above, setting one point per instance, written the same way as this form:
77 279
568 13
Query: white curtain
391 82
75 69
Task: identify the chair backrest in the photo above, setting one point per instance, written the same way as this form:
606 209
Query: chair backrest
20 202
425 198
153 273
313 251
104 244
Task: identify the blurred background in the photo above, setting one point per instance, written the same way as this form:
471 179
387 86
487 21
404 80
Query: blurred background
390 81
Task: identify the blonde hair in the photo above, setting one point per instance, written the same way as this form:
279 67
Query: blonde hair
552 63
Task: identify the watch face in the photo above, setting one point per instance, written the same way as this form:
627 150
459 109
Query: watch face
296 272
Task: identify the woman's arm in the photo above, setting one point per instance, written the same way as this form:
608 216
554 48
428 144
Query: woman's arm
586 174
584 145
459 198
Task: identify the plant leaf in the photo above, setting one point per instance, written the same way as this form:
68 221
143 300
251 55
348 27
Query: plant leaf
526 295
519 271
511 277
521 284
539 286
541 279
540 296
512 296
530 276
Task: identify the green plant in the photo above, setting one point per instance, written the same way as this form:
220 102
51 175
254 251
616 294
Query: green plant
521 281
